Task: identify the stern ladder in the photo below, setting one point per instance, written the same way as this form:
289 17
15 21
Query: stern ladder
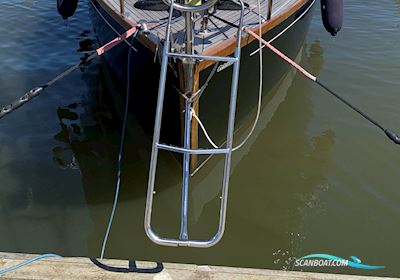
186 150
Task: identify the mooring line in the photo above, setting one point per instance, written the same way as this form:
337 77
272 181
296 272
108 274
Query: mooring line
27 262
29 95
120 150
389 133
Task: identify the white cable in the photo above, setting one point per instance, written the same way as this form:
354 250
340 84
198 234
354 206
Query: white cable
260 83
261 69
259 95
204 129
261 77
286 29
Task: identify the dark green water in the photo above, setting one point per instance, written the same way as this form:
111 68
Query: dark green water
315 178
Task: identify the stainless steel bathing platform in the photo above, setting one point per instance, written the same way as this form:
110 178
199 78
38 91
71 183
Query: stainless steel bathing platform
188 59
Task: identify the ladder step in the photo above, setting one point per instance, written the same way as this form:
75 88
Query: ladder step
204 57
192 151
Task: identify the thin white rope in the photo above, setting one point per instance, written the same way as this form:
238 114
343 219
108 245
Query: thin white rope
286 29
261 46
261 69
204 129
260 83
259 95
257 115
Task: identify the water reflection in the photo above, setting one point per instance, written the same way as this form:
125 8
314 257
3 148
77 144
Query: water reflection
314 60
41 206
397 3
286 169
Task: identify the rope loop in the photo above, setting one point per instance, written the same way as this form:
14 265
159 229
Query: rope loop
6 109
36 90
24 97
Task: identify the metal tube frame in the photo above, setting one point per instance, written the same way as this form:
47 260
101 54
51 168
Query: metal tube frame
191 151
184 237
204 57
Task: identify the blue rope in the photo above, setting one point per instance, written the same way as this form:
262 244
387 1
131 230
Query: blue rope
121 147
25 263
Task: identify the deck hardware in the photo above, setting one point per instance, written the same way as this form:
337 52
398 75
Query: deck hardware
204 25
144 28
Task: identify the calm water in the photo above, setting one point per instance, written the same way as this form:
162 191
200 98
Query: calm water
315 178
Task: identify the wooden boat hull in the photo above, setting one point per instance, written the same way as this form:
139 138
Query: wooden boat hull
145 69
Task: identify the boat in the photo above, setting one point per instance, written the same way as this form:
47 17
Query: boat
178 66
90 142
112 18
182 60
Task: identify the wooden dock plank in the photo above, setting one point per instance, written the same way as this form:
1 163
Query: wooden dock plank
83 268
